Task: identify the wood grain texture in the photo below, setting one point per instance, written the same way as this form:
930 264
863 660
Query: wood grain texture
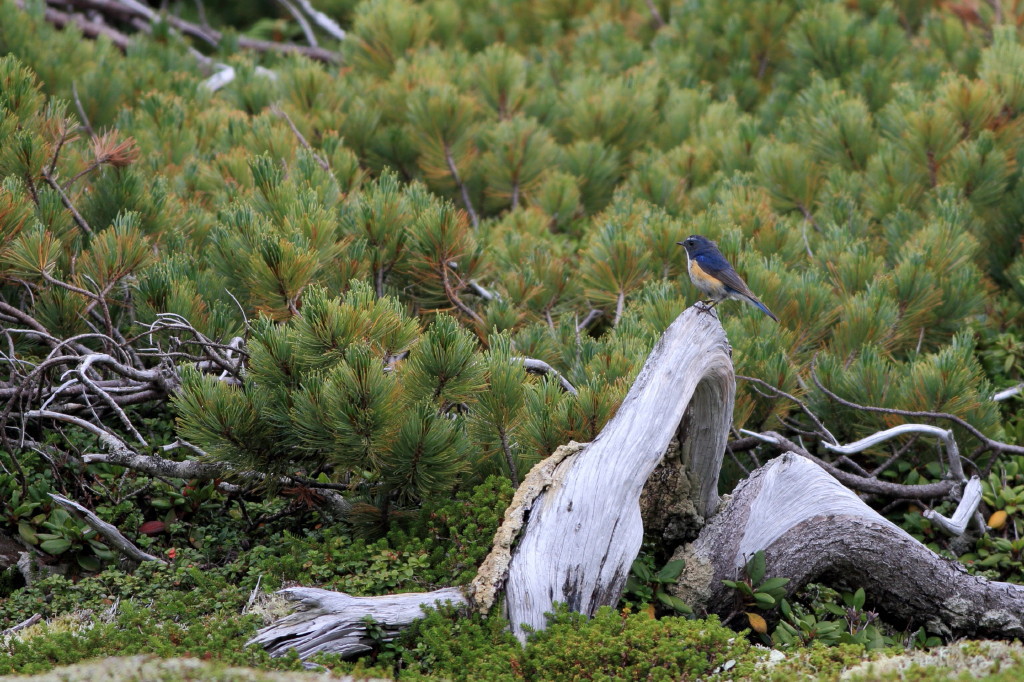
334 622
585 531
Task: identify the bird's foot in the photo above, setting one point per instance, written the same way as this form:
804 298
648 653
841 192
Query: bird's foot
705 307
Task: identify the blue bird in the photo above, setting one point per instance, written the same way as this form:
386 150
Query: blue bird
712 274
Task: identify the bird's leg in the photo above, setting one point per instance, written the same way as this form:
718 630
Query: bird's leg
705 306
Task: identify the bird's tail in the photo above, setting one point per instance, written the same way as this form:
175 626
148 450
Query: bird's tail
753 301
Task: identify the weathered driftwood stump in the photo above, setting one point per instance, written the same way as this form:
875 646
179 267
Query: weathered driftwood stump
574 526
585 530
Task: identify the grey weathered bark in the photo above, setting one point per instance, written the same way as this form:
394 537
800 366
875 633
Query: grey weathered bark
584 529
813 529
110 533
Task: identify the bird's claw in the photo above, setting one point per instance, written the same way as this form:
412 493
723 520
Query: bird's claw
704 307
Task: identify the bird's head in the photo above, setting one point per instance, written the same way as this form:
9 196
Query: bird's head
695 243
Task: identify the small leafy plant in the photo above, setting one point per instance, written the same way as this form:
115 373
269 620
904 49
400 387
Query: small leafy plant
857 625
650 587
755 592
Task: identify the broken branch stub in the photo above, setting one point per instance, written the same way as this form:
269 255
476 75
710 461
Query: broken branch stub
585 530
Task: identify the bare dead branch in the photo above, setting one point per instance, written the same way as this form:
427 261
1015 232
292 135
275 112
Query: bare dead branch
27 623
329 25
82 373
513 470
449 291
125 10
90 29
997 8
989 443
111 534
277 110
806 410
29 321
481 291
855 482
307 30
152 465
474 218
1008 393
593 316
79 220
535 366
965 510
952 451
659 21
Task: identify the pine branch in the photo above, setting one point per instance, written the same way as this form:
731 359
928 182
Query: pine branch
474 218
275 109
79 220
535 366
454 297
307 30
509 459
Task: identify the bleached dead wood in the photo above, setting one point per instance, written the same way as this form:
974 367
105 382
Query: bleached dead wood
336 623
956 469
814 529
585 530
574 526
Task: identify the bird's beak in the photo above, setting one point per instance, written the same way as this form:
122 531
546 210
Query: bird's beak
680 243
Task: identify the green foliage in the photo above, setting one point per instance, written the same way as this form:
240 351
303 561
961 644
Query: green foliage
829 186
459 532
178 610
331 390
755 592
857 626
647 586
453 646
193 604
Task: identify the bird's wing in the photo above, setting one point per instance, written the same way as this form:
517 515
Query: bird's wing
715 265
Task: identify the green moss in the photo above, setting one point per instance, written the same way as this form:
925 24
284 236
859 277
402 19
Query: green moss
611 645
